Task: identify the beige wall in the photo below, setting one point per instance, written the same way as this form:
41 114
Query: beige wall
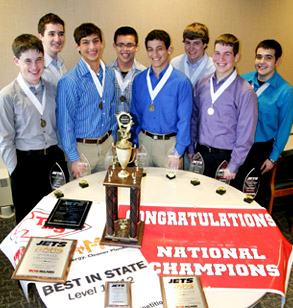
250 20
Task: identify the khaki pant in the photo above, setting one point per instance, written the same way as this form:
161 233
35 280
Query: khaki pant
97 154
157 150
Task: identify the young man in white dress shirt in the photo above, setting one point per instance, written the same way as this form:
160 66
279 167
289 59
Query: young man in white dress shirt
51 31
125 66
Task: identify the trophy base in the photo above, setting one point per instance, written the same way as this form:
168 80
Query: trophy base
123 174
121 235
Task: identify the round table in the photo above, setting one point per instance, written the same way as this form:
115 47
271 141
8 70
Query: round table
157 188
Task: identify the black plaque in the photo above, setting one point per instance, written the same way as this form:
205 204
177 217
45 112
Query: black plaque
68 213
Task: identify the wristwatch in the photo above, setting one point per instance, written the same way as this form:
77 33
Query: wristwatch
272 161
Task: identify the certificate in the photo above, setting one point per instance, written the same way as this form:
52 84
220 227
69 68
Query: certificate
183 292
45 259
118 294
69 213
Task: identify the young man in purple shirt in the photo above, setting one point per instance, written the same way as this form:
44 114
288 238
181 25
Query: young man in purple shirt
224 113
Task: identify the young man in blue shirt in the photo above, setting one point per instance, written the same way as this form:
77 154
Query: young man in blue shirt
275 112
161 104
86 104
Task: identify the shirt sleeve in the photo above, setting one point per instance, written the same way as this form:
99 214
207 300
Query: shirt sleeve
135 112
184 111
7 133
66 109
285 103
246 126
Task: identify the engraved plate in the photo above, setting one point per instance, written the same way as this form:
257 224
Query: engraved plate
183 292
118 294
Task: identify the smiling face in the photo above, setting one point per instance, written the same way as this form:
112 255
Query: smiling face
31 65
158 55
194 49
126 48
224 60
90 48
53 39
265 63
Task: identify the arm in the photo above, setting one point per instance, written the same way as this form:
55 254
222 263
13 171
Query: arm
66 108
285 118
247 117
7 133
135 112
184 110
193 123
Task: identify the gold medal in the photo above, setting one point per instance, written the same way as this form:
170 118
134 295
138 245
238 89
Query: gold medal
101 105
122 98
151 108
43 123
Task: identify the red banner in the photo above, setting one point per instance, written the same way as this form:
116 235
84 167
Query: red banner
229 248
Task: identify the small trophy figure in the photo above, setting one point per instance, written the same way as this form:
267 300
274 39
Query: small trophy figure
124 150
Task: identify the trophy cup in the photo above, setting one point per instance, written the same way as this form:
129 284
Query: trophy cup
122 231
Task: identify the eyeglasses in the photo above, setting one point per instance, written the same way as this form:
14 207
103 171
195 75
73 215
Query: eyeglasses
127 46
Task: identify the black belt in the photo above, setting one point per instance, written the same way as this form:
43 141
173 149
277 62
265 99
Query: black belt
159 137
204 148
95 141
42 152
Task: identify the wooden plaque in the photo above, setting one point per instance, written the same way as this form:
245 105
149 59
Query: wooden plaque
45 259
182 291
118 294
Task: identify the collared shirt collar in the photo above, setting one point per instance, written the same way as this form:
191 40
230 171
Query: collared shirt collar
215 82
272 81
162 72
198 62
49 60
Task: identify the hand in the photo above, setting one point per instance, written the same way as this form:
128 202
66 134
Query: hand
77 168
229 175
190 157
266 166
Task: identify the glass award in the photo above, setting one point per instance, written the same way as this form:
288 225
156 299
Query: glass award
197 164
142 158
172 164
85 166
251 183
220 172
57 177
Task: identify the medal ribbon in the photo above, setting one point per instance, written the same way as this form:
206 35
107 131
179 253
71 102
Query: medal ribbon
40 106
99 86
159 86
197 71
123 83
262 89
222 88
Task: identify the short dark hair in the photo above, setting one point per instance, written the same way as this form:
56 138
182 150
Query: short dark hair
160 35
26 42
86 29
230 40
196 30
271 44
49 18
126 31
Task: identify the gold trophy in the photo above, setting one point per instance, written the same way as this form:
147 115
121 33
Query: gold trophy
122 231
124 150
